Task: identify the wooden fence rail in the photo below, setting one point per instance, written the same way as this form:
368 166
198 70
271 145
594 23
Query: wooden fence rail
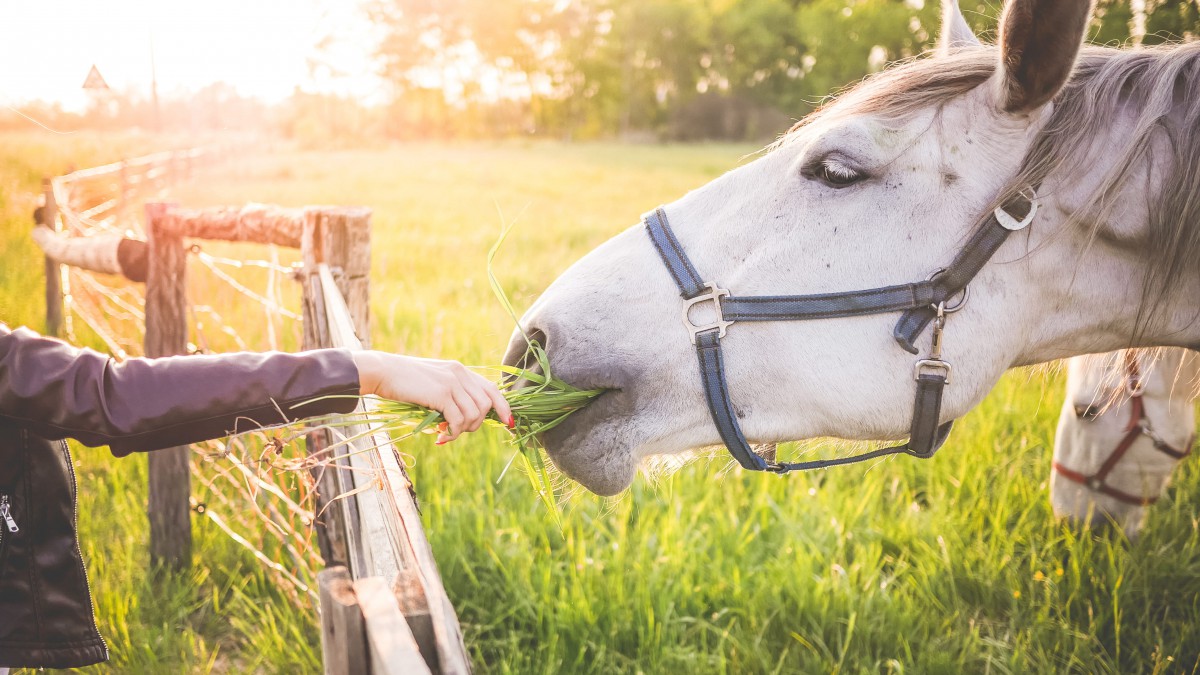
383 606
122 184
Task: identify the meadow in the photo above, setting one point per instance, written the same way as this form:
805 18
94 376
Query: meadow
950 565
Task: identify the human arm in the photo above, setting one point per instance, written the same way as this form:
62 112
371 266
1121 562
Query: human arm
58 391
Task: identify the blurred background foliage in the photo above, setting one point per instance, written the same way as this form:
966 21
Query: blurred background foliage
581 69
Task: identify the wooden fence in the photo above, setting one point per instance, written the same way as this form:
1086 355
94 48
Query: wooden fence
383 606
120 188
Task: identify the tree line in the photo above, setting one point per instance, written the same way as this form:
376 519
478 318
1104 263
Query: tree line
677 69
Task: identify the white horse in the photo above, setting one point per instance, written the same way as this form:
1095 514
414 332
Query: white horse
1127 421
883 186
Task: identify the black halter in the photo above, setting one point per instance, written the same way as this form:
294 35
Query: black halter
921 303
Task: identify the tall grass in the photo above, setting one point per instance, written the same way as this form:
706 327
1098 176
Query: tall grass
949 565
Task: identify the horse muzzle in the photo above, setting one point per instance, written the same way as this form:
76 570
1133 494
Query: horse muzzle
594 446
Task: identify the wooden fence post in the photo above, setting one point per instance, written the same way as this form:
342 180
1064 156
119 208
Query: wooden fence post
54 296
166 335
343 241
341 237
343 635
331 515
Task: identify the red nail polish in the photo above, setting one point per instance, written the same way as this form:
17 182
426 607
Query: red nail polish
512 422
441 441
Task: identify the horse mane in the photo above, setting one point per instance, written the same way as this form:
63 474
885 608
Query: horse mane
1158 86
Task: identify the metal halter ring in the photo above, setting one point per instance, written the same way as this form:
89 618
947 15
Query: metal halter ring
1010 223
942 307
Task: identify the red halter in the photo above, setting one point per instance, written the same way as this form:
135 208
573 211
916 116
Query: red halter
1139 425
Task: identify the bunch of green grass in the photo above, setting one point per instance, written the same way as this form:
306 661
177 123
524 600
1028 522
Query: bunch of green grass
539 402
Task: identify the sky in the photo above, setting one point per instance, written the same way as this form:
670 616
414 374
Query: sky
263 48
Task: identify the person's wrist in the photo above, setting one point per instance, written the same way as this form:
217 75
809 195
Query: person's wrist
367 363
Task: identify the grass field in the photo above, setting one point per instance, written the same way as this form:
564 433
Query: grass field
946 566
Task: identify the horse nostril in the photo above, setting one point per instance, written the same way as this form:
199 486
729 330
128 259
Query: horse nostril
1087 412
519 355
539 336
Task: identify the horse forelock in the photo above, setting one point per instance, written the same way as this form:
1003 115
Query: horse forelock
1158 87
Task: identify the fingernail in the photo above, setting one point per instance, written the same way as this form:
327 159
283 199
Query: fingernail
441 440
512 422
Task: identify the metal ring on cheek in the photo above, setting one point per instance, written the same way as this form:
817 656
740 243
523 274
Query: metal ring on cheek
947 308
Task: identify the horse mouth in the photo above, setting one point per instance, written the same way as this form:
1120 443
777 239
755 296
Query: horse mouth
589 446
592 446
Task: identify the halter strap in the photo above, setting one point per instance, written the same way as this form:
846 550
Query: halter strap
1138 426
921 303
931 375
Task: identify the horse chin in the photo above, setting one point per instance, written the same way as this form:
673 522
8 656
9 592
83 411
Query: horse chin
592 446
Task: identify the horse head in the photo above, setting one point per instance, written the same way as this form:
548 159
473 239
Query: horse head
1126 423
880 187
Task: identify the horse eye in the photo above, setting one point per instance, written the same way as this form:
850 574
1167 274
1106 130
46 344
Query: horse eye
835 174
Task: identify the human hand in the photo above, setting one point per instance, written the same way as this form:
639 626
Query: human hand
462 396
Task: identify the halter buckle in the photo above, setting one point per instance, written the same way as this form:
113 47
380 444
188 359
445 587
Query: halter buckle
932 364
713 295
1008 222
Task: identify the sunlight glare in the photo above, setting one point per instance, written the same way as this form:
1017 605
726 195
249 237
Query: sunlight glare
263 49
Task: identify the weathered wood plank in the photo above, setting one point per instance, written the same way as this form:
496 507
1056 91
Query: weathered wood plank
332 514
95 254
410 594
253 222
393 649
337 477
402 521
341 238
377 534
166 335
348 241
343 631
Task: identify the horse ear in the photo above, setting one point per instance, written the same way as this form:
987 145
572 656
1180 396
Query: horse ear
956 34
1039 41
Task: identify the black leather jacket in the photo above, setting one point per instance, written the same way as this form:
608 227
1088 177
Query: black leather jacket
50 391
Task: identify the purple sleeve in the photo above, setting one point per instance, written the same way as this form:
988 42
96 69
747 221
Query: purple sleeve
58 391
